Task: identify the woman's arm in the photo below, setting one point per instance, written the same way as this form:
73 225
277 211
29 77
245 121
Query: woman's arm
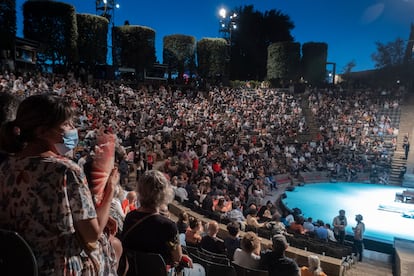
178 256
91 229
176 253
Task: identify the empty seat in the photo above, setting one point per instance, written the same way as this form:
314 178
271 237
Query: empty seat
144 264
16 256
244 271
213 257
213 269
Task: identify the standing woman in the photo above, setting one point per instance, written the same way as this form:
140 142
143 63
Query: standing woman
146 230
44 196
359 230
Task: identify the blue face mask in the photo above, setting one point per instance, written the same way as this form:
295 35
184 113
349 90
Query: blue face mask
70 141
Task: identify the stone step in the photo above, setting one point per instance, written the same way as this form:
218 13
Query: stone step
374 264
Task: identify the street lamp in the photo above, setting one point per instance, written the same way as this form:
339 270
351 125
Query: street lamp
106 8
227 24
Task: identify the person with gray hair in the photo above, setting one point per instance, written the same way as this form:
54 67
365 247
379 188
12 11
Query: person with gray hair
313 268
276 262
147 230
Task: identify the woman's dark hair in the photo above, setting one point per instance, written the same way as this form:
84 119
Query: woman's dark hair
233 228
39 111
193 222
183 216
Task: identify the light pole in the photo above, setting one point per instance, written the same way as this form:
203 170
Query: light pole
106 8
227 25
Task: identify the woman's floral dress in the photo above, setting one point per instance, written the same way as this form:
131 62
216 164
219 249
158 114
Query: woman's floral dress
40 198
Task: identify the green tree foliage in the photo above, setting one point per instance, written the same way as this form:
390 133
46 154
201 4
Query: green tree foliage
7 28
389 54
255 32
283 61
314 58
92 38
179 53
348 67
211 54
347 72
133 46
53 24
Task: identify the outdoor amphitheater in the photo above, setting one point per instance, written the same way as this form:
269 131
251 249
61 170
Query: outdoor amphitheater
387 213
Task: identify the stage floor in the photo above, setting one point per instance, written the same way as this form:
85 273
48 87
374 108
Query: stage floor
324 200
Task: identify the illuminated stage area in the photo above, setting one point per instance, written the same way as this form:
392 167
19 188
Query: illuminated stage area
383 217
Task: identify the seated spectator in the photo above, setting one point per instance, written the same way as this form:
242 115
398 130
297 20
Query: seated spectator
116 211
251 206
211 242
182 222
180 192
232 241
221 206
314 267
207 203
193 232
123 168
276 262
320 231
266 211
297 226
130 202
270 181
255 192
252 219
236 214
193 194
331 234
308 225
249 253
276 226
156 233
287 219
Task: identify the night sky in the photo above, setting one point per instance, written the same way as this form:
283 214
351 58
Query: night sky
350 27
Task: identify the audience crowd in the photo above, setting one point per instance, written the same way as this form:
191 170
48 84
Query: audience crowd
222 149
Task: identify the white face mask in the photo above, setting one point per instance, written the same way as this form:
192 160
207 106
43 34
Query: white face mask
70 141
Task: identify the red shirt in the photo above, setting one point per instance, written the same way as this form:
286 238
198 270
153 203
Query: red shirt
216 167
195 164
127 207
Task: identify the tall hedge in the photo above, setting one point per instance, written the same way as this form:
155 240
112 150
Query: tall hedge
7 28
133 46
211 57
314 58
283 61
92 38
179 53
53 24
